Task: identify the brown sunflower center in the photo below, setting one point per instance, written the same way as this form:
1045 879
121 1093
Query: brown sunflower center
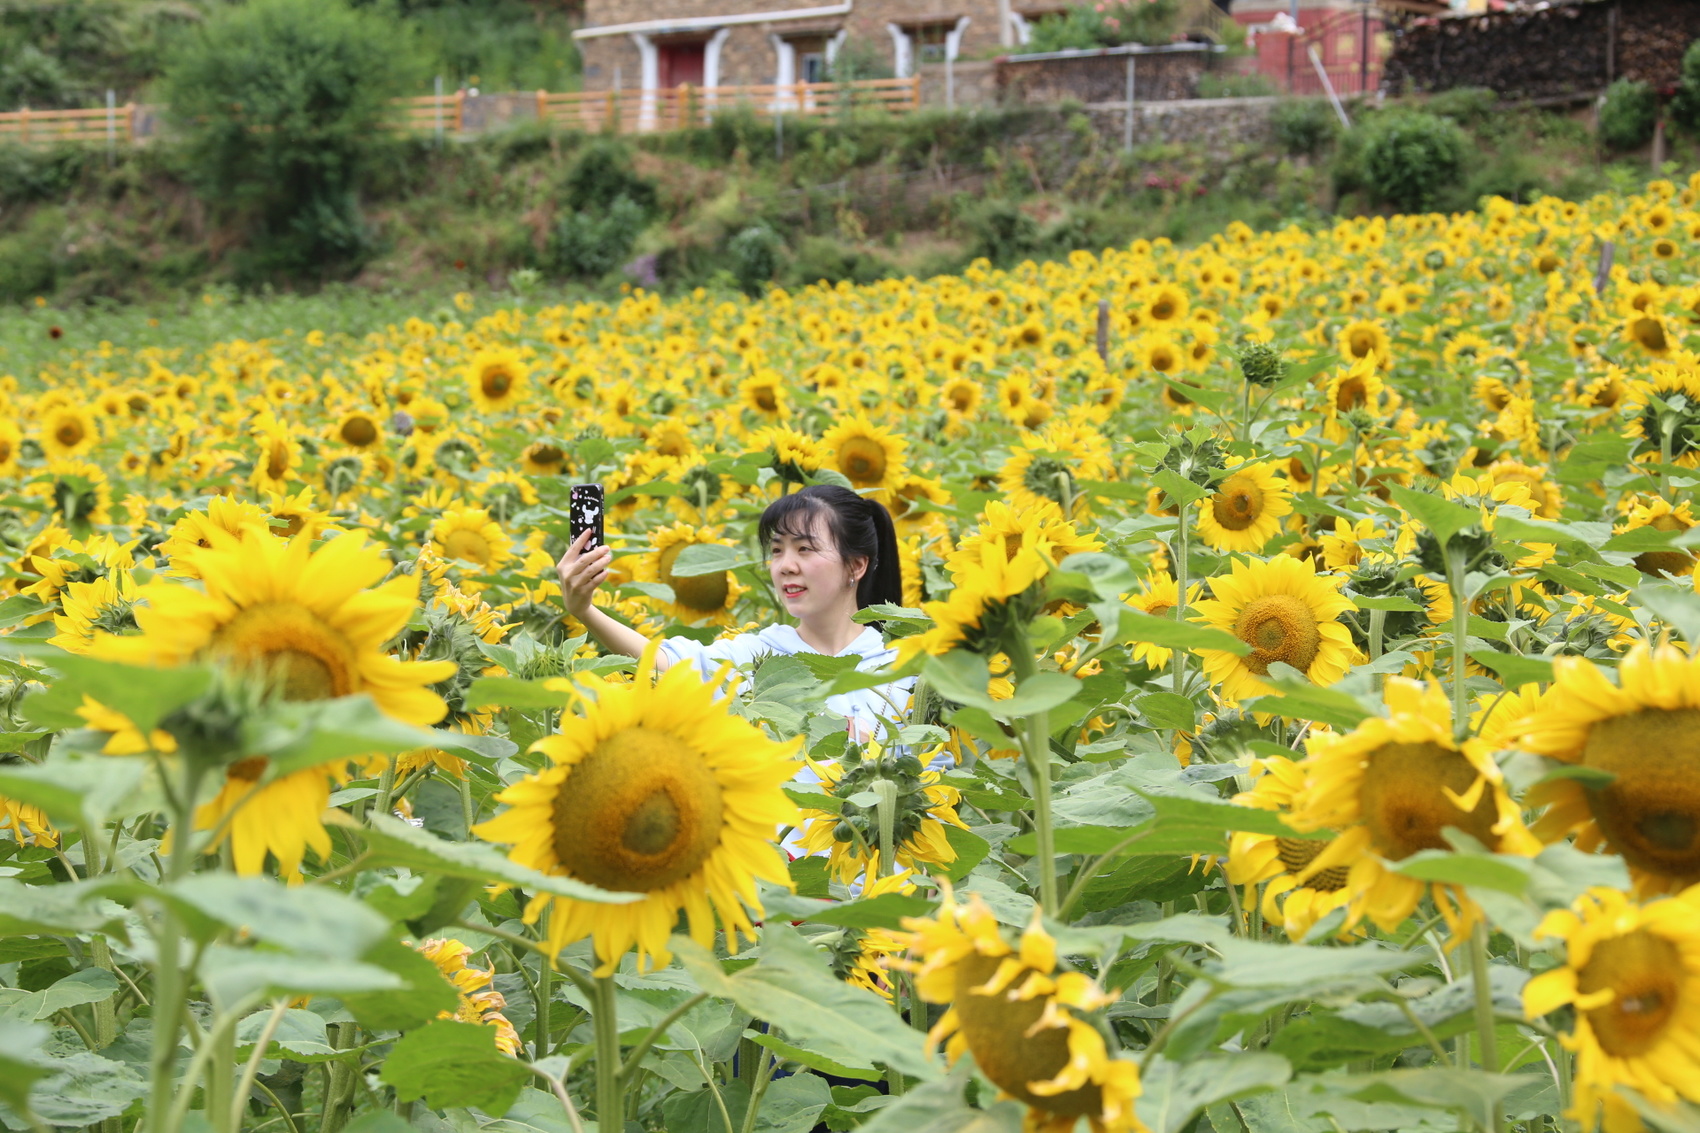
307 659
1238 503
496 382
703 593
1163 309
1650 333
766 399
641 812
1665 562
5 450
1650 813
1278 627
69 434
1405 804
1351 394
1362 342
466 545
358 431
961 397
1163 359
862 460
999 1033
277 460
1645 971
1296 853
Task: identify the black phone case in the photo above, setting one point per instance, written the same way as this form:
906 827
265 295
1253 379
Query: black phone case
584 512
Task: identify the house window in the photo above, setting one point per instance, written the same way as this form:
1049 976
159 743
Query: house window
811 67
931 42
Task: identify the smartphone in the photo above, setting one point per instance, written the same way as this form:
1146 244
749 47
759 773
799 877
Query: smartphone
584 513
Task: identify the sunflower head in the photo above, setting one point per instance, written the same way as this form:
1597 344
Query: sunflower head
656 790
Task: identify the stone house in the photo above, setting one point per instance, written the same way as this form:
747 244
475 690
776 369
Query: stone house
661 44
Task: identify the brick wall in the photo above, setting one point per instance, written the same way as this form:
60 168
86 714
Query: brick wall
1102 78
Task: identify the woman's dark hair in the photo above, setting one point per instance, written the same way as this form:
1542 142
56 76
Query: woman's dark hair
859 528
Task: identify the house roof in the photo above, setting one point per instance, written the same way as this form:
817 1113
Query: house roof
928 20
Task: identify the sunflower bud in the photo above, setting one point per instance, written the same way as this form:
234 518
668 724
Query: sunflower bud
1261 363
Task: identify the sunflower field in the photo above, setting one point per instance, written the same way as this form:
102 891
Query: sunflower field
1306 735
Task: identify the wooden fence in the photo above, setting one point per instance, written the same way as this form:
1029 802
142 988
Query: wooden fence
109 124
686 107
624 112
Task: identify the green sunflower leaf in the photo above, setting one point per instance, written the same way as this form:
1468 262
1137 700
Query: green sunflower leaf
450 1063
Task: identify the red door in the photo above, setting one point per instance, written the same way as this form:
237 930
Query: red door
679 64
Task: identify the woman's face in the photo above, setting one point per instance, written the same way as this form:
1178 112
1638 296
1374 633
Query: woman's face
812 581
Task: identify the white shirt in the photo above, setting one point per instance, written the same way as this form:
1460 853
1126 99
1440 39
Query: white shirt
866 707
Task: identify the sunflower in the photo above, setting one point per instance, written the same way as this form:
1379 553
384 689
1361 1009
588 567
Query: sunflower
851 833
1279 860
795 456
868 455
1647 330
278 456
292 515
1366 339
1644 731
1357 386
1039 524
469 535
281 817
657 790
696 598
543 458
359 430
1159 353
1677 385
1660 514
67 431
1286 612
1049 466
28 824
1157 598
1164 304
1245 510
1631 975
101 605
764 393
977 608
11 442
1390 787
195 531
960 397
496 379
1022 1019
314 622
478 1001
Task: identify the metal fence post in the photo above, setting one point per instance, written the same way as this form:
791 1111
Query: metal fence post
437 86
1127 127
111 124
949 81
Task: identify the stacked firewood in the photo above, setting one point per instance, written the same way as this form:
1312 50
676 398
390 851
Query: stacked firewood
1572 49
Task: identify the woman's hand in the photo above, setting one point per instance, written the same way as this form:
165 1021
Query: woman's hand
581 572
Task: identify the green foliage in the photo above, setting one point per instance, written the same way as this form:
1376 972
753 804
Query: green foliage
1685 104
602 175
610 206
822 259
1411 158
859 58
754 255
1213 84
28 257
279 102
69 52
1627 115
1467 106
1105 25
495 45
1305 126
1001 231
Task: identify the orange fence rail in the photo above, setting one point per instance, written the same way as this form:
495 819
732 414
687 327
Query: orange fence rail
625 112
117 124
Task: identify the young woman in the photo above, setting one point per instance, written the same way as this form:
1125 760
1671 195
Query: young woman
831 552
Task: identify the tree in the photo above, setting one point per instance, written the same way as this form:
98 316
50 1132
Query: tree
278 103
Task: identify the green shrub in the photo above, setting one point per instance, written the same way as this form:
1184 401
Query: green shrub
1511 175
823 259
1106 25
754 253
1685 104
495 44
1305 126
591 243
1000 231
858 58
1213 85
40 174
31 77
1467 106
1409 159
279 103
28 257
1627 115
602 175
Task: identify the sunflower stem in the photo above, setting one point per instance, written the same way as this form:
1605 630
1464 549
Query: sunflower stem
1489 1053
1377 629
1455 571
887 792
1177 659
545 990
610 1100
468 814
170 980
1036 746
386 786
